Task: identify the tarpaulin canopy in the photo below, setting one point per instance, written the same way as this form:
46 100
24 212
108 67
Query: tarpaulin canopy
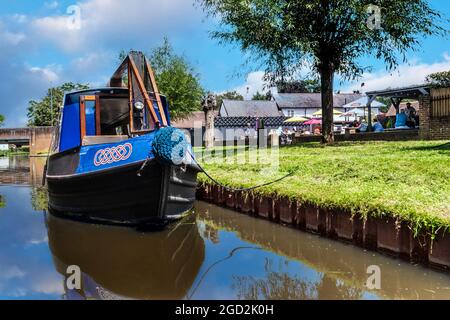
362 103
356 112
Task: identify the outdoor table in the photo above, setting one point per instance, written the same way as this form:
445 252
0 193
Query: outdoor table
349 130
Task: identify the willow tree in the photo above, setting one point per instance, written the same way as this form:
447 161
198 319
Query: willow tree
328 35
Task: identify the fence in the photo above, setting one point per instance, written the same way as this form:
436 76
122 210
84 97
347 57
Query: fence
440 102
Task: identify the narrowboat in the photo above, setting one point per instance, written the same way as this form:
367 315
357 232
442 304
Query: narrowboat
115 158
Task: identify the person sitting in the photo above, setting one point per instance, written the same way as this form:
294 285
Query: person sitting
400 120
390 122
317 131
354 124
362 127
377 126
411 116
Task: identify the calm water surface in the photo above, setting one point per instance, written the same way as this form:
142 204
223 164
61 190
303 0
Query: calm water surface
213 254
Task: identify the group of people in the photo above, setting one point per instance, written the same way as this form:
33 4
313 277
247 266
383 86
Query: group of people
407 118
364 127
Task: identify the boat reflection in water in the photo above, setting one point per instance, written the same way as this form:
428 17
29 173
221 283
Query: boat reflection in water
121 263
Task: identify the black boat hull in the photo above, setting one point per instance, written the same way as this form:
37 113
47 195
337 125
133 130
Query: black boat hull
124 194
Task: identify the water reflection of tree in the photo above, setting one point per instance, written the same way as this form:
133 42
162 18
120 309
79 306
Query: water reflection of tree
39 198
275 285
2 201
211 233
331 288
279 284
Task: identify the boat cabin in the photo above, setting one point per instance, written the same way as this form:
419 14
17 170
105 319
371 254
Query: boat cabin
107 115
130 107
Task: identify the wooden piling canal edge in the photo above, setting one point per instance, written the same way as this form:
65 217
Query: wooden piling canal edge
386 235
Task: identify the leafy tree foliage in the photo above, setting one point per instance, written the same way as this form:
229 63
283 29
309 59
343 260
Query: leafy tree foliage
329 35
262 96
299 86
45 113
230 95
439 79
2 119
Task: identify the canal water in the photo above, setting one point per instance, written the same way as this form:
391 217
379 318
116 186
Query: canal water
213 254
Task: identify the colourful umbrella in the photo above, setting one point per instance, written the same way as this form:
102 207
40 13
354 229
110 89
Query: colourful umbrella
313 121
296 119
319 113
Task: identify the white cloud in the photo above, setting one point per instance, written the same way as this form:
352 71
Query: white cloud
12 273
48 74
13 38
253 83
19 18
33 82
409 74
51 4
93 61
103 22
9 38
48 282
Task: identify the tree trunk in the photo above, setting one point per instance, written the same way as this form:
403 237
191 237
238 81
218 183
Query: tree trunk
327 77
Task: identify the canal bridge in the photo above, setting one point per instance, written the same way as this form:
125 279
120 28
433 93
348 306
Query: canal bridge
38 138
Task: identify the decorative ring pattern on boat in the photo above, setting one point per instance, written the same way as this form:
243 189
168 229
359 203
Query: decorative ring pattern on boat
113 154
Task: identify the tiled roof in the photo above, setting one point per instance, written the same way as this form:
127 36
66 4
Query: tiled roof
249 108
312 100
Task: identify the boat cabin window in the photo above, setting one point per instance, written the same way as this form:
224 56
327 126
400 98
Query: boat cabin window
109 115
114 115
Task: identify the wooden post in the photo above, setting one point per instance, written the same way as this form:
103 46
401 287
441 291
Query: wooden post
209 103
369 111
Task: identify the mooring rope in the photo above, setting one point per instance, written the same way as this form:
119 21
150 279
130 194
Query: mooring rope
170 146
237 189
230 255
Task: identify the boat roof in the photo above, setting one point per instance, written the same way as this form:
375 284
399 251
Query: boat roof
97 89
101 89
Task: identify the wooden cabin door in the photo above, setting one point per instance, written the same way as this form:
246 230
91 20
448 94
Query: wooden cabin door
90 116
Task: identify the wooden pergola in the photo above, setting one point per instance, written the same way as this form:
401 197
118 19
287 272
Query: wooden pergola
396 96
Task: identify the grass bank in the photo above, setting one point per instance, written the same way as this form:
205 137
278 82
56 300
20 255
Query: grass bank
19 151
407 180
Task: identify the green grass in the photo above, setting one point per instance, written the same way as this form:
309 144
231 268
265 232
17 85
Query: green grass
407 180
19 151
11 153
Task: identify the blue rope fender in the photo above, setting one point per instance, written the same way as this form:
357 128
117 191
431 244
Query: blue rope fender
170 146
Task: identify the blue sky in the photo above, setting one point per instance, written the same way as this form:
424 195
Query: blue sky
39 47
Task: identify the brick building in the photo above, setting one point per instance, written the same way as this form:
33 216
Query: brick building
435 114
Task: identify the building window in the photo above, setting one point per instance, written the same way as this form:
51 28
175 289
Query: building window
290 113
